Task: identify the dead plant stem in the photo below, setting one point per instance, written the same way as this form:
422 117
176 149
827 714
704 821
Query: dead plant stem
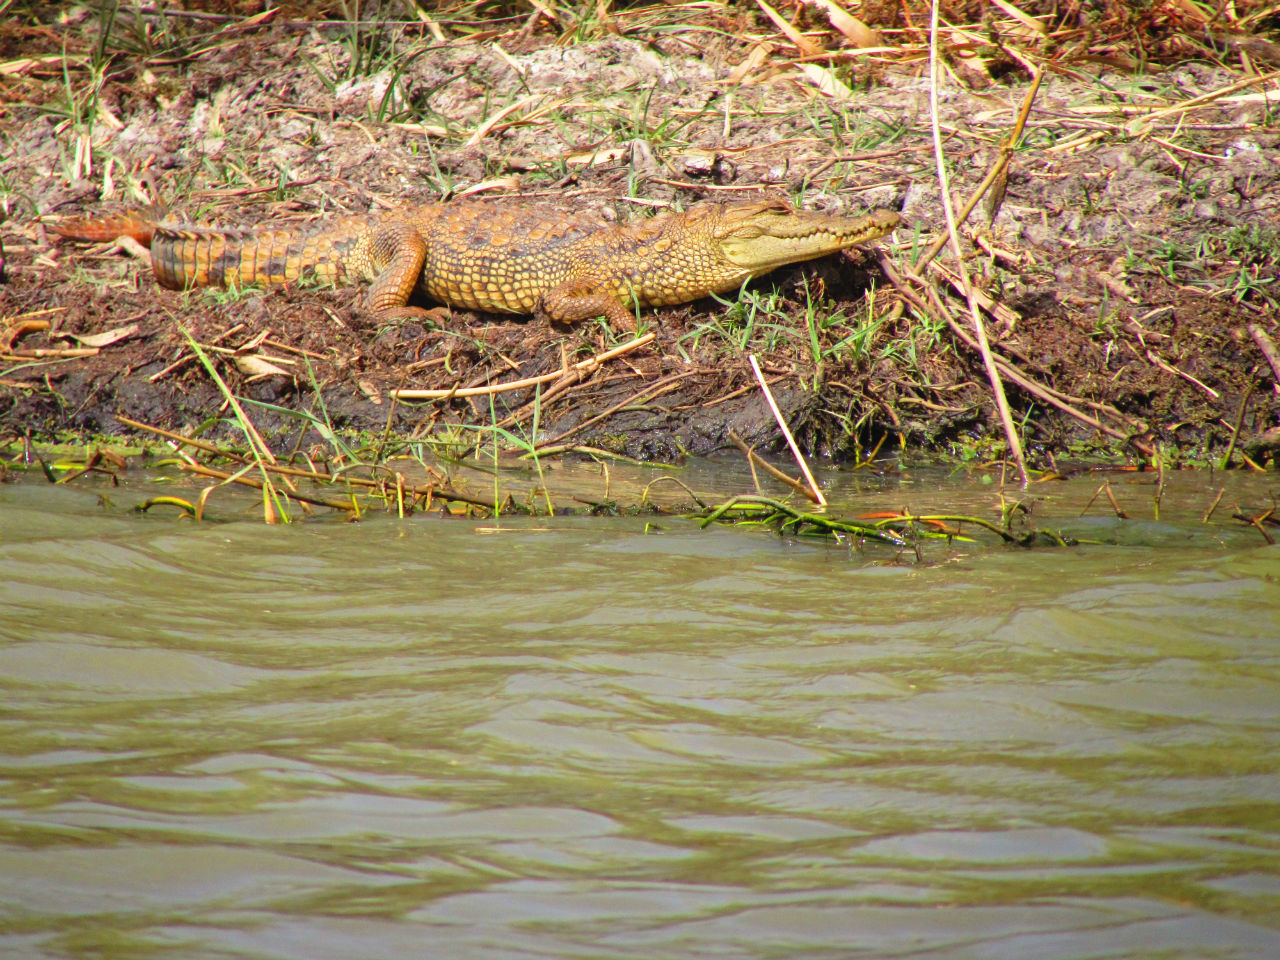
755 460
1235 429
996 172
1047 394
584 366
1213 506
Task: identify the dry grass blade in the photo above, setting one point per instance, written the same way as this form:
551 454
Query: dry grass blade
485 127
1143 123
106 338
806 46
1023 18
853 28
1169 368
1139 126
826 81
753 62
255 366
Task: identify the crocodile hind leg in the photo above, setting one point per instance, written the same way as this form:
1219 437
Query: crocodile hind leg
398 253
576 300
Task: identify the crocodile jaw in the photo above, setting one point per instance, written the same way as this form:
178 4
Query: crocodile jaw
776 235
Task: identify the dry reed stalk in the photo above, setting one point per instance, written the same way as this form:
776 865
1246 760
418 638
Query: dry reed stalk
996 173
984 348
817 498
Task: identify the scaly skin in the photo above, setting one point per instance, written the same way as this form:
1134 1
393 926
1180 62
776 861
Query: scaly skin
504 258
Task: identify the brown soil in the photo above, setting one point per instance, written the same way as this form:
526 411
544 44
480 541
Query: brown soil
1139 267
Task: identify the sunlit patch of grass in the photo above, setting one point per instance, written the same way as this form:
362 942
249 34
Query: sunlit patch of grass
1242 263
757 319
234 293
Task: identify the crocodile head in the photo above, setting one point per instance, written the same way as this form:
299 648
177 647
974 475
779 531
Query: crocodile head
759 236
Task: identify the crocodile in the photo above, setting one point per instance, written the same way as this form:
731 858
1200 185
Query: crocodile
502 258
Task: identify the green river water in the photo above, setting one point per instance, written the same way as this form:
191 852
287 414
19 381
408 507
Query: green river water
605 738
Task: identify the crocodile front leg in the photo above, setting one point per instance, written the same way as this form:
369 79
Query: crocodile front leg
576 300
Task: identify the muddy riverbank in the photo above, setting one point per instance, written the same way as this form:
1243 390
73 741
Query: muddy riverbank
1129 272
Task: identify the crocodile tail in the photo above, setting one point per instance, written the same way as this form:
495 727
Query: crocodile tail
183 256
135 224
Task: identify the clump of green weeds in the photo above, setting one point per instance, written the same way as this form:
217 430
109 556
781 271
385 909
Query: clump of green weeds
374 48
